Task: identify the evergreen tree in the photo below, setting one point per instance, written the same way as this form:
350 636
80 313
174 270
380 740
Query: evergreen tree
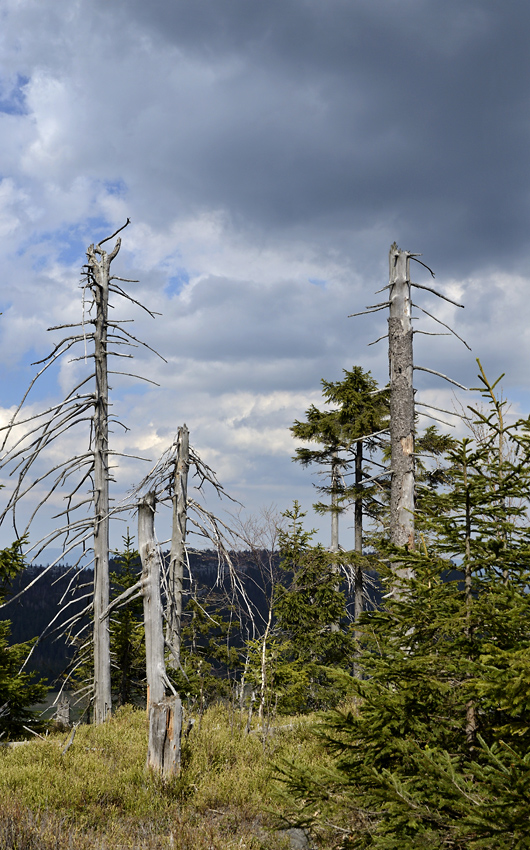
359 412
127 635
207 657
436 751
18 690
312 645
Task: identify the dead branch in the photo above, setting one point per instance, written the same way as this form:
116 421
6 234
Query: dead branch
108 238
366 312
415 258
442 323
440 375
385 336
435 292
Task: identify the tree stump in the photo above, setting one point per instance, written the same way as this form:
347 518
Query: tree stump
62 714
165 727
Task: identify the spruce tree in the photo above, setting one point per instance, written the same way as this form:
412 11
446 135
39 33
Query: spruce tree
313 642
127 635
19 691
354 422
359 412
435 751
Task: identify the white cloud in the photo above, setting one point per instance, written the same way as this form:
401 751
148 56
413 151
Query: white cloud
265 176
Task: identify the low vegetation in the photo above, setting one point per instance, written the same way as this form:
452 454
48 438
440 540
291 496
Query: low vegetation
97 794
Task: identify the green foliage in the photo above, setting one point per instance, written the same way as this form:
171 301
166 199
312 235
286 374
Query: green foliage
434 752
359 410
127 635
207 657
98 793
18 690
312 646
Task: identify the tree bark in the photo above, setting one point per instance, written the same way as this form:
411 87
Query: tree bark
165 730
358 522
401 403
100 270
335 501
154 635
165 713
471 718
178 546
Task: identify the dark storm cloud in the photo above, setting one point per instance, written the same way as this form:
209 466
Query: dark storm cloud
342 115
267 152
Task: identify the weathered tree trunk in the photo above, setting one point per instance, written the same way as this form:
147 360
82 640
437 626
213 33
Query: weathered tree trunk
154 634
471 717
165 713
335 501
178 546
263 681
335 517
401 402
100 270
358 521
165 731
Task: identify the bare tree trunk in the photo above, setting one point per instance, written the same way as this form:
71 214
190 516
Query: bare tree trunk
358 523
178 546
165 713
100 270
165 732
401 402
358 514
263 682
471 717
154 635
335 517
335 501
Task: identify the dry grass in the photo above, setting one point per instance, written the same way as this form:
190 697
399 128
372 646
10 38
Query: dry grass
98 795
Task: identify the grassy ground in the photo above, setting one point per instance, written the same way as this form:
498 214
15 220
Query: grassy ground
98 794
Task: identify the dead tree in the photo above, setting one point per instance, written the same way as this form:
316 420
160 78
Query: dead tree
401 400
178 546
165 714
98 274
26 441
335 490
402 394
150 583
168 480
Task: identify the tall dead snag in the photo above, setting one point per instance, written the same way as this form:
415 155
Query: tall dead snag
151 570
178 546
98 271
25 442
169 480
335 490
165 713
401 400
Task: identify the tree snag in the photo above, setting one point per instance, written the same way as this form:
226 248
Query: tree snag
178 546
99 272
165 713
151 569
401 400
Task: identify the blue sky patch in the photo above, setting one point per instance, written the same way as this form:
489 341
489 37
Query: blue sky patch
177 282
115 187
66 245
13 97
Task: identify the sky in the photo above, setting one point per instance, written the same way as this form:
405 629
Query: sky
267 155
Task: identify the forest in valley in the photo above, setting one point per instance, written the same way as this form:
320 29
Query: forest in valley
269 690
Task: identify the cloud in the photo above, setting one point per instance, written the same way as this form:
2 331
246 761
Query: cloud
267 155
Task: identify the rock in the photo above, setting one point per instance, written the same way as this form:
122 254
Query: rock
298 839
